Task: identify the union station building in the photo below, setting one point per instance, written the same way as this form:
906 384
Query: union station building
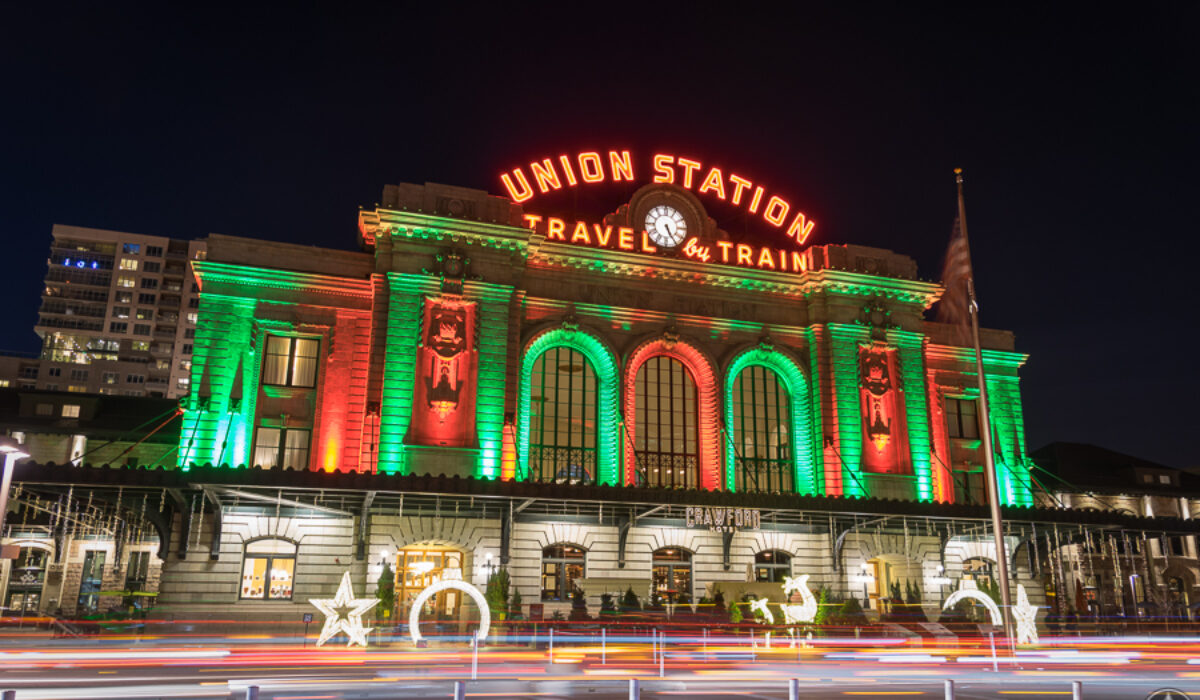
640 401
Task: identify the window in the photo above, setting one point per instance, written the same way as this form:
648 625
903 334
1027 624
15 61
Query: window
135 379
149 283
666 450
77 388
131 248
762 453
154 251
189 333
44 409
286 448
137 571
121 312
51 387
70 410
124 281
1164 478
125 298
194 303
187 349
961 418
116 327
162 364
772 566
268 570
1176 546
417 568
54 372
140 346
128 264
141 329
153 267
290 361
4 383
25 581
191 317
673 574
145 314
147 298
562 566
29 372
91 580
562 441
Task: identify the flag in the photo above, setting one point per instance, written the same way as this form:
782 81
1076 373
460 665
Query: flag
952 308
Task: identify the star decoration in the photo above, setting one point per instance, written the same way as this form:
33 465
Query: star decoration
344 614
1026 618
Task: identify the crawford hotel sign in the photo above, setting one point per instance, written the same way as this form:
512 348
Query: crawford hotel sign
664 222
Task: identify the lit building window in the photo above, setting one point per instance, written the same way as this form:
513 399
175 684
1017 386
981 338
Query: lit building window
281 448
268 570
562 427
562 566
131 248
772 566
70 410
140 345
123 281
666 450
673 574
120 312
128 264
762 450
91 579
290 361
962 419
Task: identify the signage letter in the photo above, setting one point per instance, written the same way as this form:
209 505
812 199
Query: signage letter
800 228
555 228
533 220
765 259
739 185
646 247
581 234
662 171
567 170
545 176
776 212
625 238
521 194
622 165
724 246
602 236
714 182
591 168
688 166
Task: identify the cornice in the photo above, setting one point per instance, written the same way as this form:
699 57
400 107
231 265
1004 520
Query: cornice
427 227
245 276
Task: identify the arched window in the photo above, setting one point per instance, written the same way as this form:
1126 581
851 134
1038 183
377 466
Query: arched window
772 565
762 430
562 566
268 570
562 431
673 574
25 581
666 449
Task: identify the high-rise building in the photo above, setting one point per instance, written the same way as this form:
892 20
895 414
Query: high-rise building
118 314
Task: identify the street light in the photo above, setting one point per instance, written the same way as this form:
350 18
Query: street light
11 449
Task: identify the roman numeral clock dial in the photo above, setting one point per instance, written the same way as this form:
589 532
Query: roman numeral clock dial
666 226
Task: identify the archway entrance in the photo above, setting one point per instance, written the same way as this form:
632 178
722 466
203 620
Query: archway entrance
25 581
419 566
894 577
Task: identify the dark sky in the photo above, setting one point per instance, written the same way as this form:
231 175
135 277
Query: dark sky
1077 131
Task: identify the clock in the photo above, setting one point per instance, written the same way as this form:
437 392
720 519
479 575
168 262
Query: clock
666 226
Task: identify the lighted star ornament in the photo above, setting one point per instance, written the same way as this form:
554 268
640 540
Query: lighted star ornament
1026 617
344 614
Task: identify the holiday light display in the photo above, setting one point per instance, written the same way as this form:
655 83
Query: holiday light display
968 591
343 613
414 613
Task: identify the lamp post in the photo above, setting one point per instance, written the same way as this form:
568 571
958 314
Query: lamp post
12 452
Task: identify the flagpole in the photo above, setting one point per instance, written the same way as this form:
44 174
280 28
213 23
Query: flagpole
989 461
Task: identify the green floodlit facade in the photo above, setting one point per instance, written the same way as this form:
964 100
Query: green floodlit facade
417 355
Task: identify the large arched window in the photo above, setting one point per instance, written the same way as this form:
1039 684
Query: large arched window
666 448
268 570
762 449
673 574
562 566
563 407
772 566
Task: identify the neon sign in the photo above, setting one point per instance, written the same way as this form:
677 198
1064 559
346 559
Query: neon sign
626 239
548 175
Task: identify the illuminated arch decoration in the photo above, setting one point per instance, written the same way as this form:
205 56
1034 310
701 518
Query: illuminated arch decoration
978 596
414 614
604 364
796 383
669 345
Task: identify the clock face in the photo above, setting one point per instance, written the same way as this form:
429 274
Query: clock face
666 226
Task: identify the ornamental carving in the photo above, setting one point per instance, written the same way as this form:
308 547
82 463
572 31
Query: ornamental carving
453 267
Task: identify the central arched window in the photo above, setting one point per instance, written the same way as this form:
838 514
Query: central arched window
762 450
268 570
772 566
666 448
673 574
562 431
562 566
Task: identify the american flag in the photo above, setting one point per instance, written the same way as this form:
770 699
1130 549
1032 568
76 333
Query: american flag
952 309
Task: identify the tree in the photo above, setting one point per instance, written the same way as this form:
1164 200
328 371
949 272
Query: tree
579 609
822 615
607 605
496 594
514 607
385 592
630 602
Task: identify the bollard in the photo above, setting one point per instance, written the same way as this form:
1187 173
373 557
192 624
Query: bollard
794 689
603 646
474 658
635 689
662 653
252 692
995 665
551 645
460 690
949 689
1076 690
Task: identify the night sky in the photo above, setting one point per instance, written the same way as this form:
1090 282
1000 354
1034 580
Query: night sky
1077 131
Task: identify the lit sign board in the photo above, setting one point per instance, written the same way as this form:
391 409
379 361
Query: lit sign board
550 174
723 519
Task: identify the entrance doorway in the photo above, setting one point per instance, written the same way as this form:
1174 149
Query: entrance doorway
25 581
420 566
